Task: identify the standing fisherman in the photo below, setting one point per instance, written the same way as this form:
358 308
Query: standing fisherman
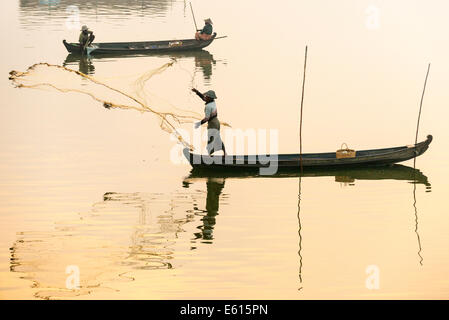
214 142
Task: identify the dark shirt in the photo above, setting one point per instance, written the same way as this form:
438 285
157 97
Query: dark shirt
207 29
85 36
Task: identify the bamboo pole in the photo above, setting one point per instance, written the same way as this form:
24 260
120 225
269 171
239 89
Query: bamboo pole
420 104
193 15
302 103
420 108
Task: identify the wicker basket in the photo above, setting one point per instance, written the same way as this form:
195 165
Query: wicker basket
345 152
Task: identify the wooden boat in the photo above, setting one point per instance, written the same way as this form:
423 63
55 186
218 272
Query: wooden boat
363 158
142 47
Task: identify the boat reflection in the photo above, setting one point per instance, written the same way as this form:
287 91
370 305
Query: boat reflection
203 60
85 64
346 176
129 232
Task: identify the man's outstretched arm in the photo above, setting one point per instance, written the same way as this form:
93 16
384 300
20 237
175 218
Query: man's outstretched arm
199 94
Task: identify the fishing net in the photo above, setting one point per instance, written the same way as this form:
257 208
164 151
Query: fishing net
47 76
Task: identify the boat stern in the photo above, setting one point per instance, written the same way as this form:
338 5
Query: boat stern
67 46
423 146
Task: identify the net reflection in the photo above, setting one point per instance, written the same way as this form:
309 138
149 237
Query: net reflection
122 233
154 236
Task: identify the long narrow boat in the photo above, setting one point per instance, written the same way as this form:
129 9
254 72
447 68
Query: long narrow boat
142 47
363 158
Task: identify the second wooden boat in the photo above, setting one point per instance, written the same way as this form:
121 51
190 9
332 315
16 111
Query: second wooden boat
141 47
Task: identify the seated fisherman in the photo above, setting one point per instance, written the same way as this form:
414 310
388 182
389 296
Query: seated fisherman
86 37
206 33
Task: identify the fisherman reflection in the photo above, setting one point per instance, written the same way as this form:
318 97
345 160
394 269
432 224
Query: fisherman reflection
204 61
214 188
85 64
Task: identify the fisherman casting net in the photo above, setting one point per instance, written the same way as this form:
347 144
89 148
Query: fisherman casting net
46 76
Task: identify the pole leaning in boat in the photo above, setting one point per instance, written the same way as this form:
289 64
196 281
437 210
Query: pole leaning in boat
193 15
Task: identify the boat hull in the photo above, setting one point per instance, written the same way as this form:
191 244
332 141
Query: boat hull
363 158
141 47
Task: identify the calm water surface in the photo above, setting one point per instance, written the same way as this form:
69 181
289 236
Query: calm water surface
95 189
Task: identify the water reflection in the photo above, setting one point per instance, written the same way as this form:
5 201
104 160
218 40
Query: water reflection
127 232
348 176
214 188
85 64
299 234
416 218
421 259
204 61
32 12
153 237
122 233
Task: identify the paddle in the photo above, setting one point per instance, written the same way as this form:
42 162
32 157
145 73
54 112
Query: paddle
90 49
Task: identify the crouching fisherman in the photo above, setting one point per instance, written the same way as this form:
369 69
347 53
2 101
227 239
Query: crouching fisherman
86 38
214 142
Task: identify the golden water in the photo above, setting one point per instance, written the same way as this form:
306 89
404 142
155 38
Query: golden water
84 186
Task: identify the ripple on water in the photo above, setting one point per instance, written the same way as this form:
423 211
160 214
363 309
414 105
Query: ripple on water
122 233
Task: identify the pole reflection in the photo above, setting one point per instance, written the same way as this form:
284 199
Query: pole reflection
128 232
347 177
